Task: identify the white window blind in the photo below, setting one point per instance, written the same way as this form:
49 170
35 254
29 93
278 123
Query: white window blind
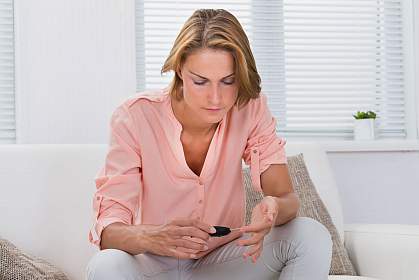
342 56
7 98
320 60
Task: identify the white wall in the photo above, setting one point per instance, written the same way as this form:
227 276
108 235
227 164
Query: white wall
416 47
378 187
75 61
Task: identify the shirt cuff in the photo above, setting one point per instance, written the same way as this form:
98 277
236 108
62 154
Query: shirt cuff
97 228
275 154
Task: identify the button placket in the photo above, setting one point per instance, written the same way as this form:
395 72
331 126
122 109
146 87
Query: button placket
201 191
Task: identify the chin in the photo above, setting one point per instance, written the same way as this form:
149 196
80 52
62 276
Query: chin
214 119
211 121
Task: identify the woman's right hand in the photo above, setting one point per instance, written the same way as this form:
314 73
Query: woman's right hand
179 238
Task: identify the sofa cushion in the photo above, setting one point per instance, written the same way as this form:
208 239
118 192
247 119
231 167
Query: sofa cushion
311 206
14 264
344 277
321 174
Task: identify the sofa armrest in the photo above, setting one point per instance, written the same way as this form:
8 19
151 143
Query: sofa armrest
384 251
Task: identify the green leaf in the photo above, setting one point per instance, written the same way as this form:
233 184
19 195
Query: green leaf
365 115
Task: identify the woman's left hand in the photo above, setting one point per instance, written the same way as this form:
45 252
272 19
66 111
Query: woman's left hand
263 219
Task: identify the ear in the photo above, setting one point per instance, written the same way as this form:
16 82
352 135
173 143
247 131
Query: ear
179 73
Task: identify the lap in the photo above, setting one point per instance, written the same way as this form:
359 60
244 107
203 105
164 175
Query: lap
301 238
225 259
111 263
300 229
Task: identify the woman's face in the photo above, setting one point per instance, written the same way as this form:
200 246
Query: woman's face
209 85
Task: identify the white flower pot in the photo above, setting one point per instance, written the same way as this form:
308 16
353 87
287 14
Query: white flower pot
364 129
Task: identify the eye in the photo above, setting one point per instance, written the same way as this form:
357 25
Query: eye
200 83
228 82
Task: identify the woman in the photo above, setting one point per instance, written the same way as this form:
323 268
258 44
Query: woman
173 171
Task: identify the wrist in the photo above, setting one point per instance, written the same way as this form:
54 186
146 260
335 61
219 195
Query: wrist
143 237
139 239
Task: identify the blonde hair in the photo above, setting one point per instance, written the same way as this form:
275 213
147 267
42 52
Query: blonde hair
216 29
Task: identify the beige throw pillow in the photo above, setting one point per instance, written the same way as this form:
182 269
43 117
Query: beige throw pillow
14 265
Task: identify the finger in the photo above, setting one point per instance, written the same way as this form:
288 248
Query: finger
187 250
270 216
253 249
181 255
192 232
270 212
263 207
194 239
193 222
256 255
256 238
204 226
190 244
256 227
180 222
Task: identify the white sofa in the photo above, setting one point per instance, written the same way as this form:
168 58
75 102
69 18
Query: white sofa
45 209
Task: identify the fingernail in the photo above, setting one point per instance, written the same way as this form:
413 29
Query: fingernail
193 256
205 247
213 230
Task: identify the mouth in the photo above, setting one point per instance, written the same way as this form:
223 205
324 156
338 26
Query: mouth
213 109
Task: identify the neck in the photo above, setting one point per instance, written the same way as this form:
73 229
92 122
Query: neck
190 124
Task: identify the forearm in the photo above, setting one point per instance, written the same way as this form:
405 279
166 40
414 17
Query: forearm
128 238
288 206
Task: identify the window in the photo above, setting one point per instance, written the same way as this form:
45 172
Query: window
320 60
7 98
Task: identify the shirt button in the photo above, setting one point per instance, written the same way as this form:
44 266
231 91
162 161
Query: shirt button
200 201
255 151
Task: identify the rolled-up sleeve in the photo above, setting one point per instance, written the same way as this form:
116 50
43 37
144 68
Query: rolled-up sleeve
118 183
263 146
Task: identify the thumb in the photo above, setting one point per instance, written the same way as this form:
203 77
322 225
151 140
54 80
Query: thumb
263 207
267 211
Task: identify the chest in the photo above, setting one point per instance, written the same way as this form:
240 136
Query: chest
195 150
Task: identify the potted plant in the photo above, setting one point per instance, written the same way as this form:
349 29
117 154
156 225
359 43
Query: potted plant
364 126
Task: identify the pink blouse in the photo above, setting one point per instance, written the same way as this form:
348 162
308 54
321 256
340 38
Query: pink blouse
146 180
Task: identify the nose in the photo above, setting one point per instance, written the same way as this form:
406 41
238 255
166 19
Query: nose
215 96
